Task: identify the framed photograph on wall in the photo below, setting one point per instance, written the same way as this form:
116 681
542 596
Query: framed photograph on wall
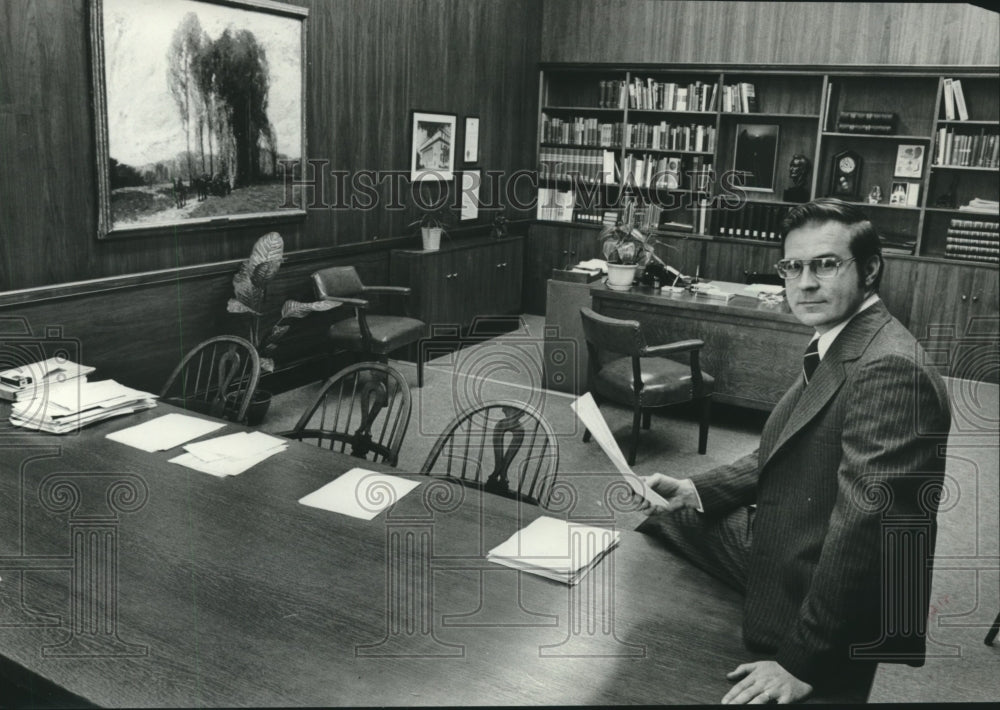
756 155
471 182
432 156
909 161
199 109
471 153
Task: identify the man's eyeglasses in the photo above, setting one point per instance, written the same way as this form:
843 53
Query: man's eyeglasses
825 268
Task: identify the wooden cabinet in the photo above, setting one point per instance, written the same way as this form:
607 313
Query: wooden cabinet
462 281
553 247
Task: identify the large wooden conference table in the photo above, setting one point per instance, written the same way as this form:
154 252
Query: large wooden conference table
131 581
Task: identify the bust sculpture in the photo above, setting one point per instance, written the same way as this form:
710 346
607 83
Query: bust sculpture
798 173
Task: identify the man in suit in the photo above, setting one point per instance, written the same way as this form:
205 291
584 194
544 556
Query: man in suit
816 524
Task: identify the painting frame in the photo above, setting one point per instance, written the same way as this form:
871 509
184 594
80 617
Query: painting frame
755 153
432 146
165 182
909 161
899 193
470 184
470 154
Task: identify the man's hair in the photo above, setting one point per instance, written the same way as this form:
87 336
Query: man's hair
864 241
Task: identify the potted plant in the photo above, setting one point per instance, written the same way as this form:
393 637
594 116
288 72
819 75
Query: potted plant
432 227
626 249
250 286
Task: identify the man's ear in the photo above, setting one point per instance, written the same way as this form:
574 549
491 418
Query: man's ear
872 269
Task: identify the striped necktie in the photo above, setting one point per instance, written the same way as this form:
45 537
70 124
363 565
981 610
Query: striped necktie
810 360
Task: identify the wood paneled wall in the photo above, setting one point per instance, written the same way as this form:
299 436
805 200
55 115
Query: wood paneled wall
638 31
370 62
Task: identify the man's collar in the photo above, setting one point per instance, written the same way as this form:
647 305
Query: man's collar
827 338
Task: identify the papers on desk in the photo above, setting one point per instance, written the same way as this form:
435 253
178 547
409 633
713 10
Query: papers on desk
769 289
232 454
556 549
70 405
592 266
165 432
588 413
712 293
19 384
359 493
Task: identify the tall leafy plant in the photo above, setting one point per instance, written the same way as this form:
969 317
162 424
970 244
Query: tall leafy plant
250 298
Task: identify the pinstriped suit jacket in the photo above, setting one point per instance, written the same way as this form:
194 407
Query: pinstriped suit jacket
844 483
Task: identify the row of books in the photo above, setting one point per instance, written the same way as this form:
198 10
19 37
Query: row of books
973 240
555 205
754 220
982 151
666 172
580 130
872 122
590 165
954 101
651 95
739 98
666 136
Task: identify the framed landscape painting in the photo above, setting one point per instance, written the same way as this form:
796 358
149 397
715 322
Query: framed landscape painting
199 110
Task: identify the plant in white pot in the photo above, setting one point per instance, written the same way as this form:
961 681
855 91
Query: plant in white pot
626 249
432 228
250 286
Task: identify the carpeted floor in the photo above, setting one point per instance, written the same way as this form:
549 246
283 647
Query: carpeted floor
966 590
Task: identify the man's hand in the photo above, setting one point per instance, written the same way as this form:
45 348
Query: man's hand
679 492
765 682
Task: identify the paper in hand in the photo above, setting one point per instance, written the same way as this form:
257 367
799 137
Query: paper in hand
588 413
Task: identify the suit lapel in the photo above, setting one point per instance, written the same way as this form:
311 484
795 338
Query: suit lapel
826 381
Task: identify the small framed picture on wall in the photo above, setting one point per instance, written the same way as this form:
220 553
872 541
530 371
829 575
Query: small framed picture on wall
471 153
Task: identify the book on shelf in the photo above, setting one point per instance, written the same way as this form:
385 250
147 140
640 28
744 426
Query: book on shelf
949 100
960 108
975 224
555 205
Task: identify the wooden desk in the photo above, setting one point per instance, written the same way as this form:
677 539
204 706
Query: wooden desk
229 592
753 351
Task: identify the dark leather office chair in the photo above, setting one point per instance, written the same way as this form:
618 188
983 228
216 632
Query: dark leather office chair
365 407
375 336
218 377
502 447
642 377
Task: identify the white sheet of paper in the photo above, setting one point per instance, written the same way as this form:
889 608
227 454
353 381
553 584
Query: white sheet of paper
359 493
224 466
164 432
240 445
588 413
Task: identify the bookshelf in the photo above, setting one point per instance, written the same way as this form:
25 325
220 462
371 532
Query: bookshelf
670 137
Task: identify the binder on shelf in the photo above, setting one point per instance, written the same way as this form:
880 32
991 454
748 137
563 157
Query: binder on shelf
949 100
960 108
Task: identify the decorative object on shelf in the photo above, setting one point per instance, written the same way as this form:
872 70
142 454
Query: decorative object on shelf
471 152
755 156
846 177
898 194
190 152
949 199
433 147
875 195
499 230
909 161
250 284
799 168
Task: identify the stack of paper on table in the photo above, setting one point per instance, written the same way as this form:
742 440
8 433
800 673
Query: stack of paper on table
359 493
232 454
588 413
165 432
19 384
70 405
592 265
556 549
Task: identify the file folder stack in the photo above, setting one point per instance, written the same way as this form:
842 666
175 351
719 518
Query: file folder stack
555 549
70 405
20 384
